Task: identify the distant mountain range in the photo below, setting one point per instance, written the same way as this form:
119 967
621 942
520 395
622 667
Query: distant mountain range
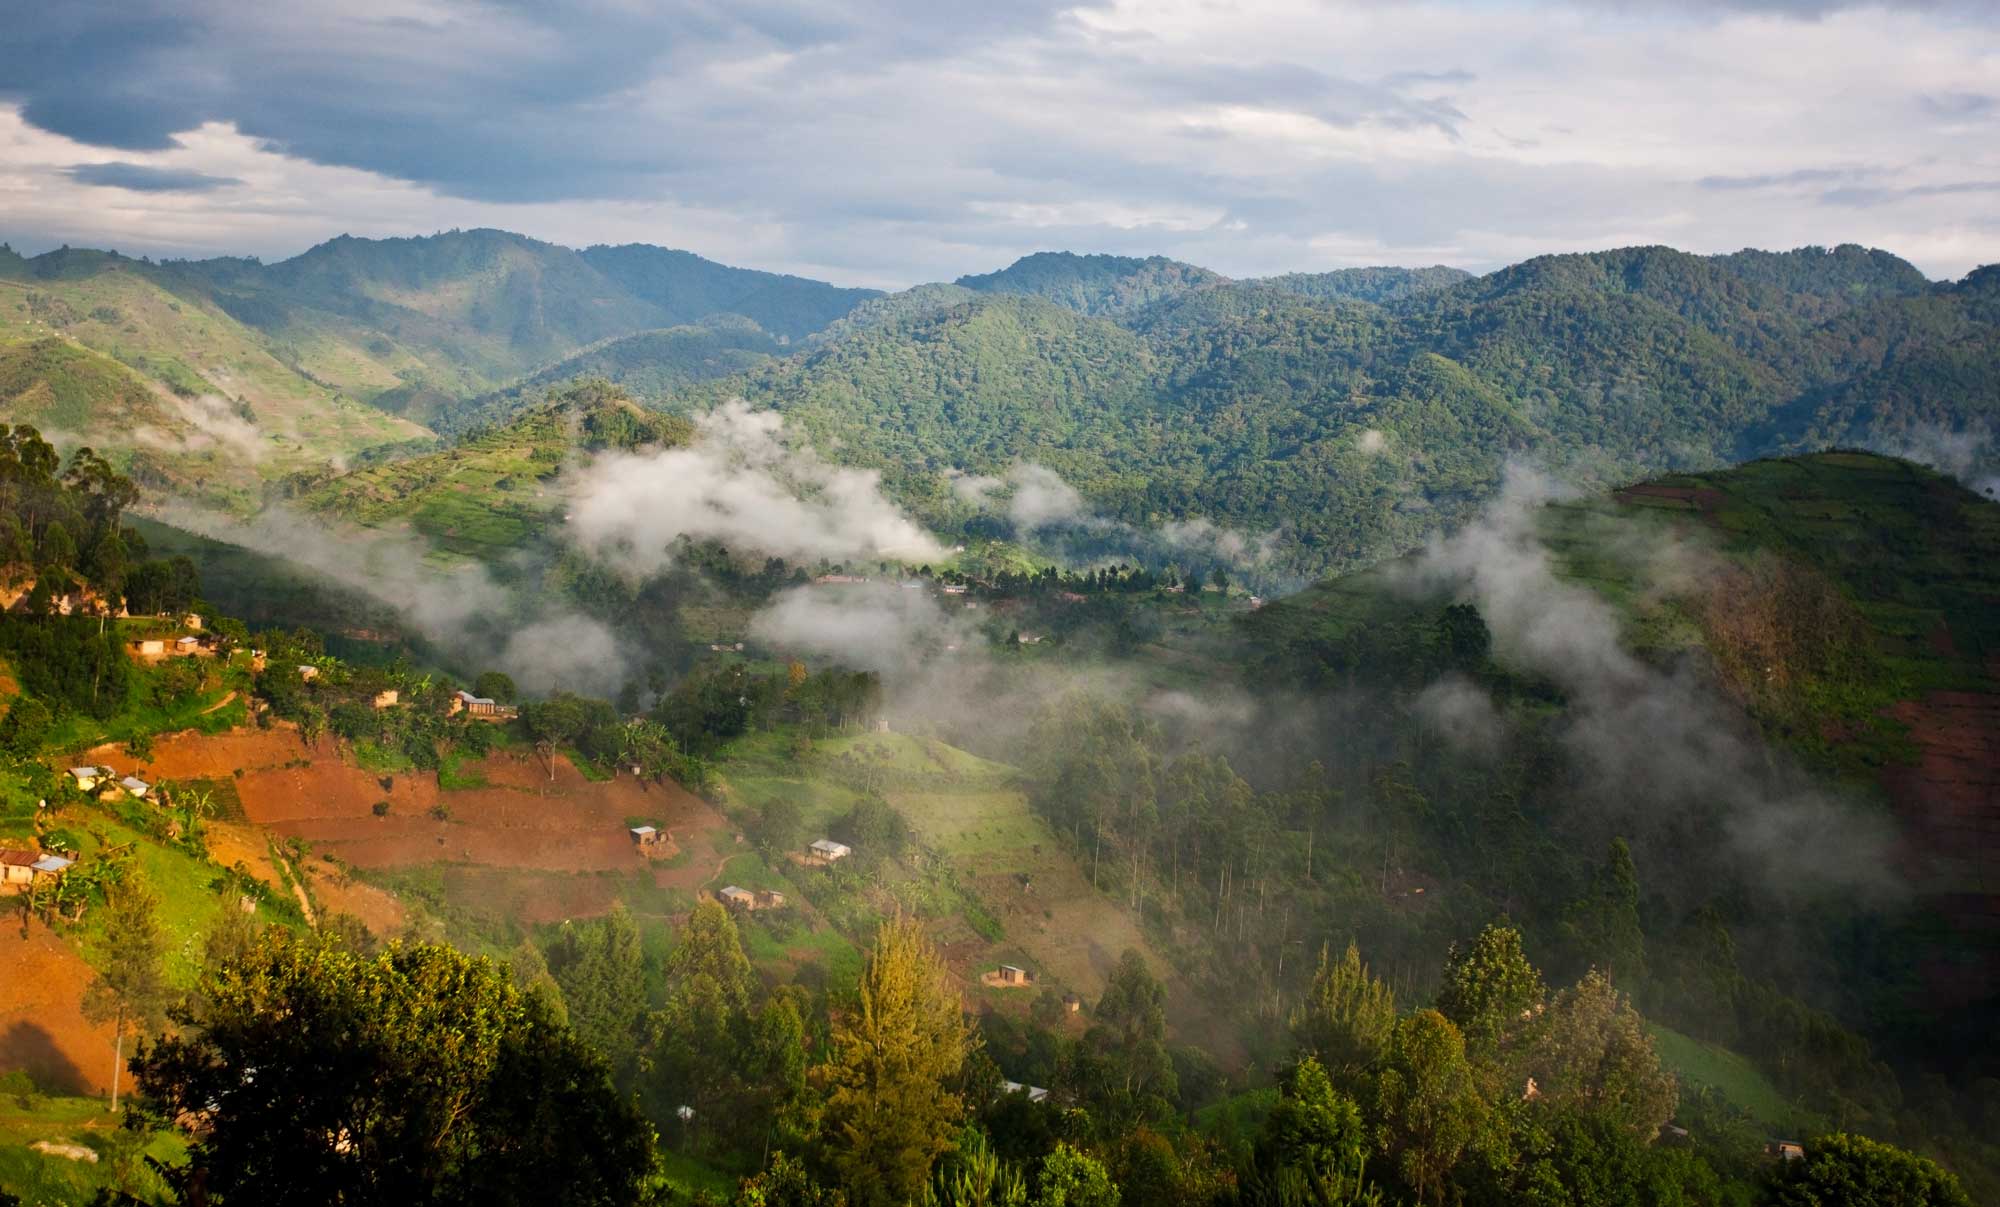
1350 413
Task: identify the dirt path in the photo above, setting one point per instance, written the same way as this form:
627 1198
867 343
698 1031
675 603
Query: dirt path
223 703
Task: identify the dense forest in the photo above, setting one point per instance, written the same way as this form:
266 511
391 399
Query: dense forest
1353 429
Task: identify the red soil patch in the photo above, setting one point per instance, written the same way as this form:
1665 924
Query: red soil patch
521 819
1949 803
42 1029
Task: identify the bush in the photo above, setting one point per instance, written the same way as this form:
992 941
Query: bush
381 808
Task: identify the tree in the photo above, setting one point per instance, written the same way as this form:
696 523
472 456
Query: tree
1131 1028
320 1075
975 1176
1489 988
1071 1178
1603 925
1313 1149
553 723
711 946
1347 1015
1591 1049
785 1182
601 970
131 987
494 685
701 1041
1842 1170
1428 1103
890 1111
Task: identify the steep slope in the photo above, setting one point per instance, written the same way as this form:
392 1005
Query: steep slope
1836 609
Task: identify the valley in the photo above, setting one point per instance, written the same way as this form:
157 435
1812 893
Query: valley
1141 637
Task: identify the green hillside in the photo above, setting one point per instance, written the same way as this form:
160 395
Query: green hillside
1354 430
688 289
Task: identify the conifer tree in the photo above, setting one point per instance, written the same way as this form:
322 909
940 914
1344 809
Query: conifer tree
890 1111
131 989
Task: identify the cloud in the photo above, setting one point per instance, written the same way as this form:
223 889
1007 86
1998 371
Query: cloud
141 178
1969 454
460 608
1651 744
889 143
876 626
738 483
1045 509
1464 713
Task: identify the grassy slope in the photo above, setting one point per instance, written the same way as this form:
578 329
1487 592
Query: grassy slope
179 348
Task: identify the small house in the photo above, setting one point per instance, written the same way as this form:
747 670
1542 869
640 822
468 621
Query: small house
645 836
193 621
187 645
136 786
387 698
828 851
149 647
482 707
954 588
51 865
17 866
1011 975
736 897
1072 1004
308 673
770 898
87 778
1785 1150
1035 1093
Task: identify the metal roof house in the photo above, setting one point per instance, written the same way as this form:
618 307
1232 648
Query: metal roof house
87 777
737 896
1035 1093
829 850
135 785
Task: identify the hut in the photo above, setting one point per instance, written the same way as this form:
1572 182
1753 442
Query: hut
1012 975
645 836
770 898
17 866
387 698
736 897
149 647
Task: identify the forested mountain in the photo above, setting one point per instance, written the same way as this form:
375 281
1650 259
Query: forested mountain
1366 284
1093 284
1352 429
414 326
687 288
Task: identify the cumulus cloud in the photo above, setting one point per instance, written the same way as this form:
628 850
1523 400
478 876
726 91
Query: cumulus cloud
1653 744
741 484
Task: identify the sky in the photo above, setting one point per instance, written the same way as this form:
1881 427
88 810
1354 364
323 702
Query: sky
891 143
